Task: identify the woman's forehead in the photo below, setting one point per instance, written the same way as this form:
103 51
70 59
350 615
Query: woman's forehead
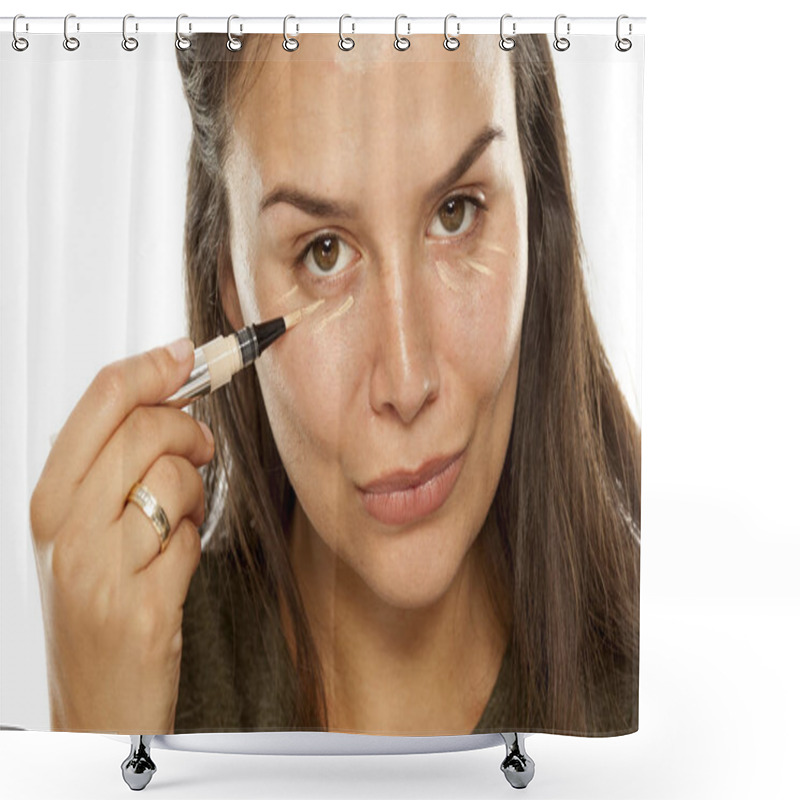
365 98
372 48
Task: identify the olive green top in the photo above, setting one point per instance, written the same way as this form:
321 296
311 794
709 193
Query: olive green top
231 680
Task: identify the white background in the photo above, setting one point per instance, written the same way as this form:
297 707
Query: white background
720 607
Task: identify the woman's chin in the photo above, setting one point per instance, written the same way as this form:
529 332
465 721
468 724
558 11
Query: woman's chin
414 573
411 595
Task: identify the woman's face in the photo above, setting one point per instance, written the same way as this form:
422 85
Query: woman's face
390 185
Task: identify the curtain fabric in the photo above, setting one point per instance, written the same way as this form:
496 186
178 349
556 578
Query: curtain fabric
420 488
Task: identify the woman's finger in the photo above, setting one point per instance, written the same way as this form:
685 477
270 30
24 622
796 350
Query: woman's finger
170 573
147 433
144 379
177 487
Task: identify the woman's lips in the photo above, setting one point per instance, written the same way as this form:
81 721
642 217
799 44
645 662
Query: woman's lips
404 497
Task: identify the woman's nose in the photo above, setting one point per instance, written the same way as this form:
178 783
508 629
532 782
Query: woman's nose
405 375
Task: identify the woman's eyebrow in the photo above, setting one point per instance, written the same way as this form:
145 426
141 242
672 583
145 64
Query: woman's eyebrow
467 159
317 206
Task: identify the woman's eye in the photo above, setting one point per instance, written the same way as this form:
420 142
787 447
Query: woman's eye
456 215
325 256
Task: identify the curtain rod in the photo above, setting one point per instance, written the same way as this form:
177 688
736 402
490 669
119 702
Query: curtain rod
407 26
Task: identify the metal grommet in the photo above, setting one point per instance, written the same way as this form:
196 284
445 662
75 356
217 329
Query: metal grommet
18 43
506 42
233 44
400 42
181 42
70 42
451 42
345 42
128 42
561 43
290 43
623 45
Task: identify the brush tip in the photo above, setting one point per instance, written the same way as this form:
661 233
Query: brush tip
292 319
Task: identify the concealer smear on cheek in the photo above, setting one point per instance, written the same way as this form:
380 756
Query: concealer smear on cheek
443 271
495 248
448 272
284 297
476 265
280 306
300 313
337 313
479 265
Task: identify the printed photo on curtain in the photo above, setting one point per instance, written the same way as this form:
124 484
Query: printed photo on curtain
386 479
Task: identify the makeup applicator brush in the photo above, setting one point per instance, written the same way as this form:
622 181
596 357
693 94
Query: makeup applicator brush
217 361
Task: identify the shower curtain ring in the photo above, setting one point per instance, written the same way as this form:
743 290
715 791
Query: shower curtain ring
233 44
128 42
451 42
289 42
181 42
400 42
506 42
345 42
623 45
561 43
18 43
70 42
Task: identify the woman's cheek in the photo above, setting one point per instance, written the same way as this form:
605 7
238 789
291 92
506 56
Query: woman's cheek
309 377
480 300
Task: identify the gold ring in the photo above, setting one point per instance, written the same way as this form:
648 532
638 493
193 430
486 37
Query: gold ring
143 497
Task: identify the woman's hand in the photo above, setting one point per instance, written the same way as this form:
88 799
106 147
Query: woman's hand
112 602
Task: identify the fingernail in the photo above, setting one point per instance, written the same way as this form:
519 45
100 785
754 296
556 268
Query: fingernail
181 349
206 431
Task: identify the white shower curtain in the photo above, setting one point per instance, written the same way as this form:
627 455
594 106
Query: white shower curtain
93 191
93 154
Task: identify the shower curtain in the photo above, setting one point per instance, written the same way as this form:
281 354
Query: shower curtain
418 512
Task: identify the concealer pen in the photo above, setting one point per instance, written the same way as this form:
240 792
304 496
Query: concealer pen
217 361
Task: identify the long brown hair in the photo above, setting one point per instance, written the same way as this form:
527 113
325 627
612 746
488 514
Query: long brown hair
562 549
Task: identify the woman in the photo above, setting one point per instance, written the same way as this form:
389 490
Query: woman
424 500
